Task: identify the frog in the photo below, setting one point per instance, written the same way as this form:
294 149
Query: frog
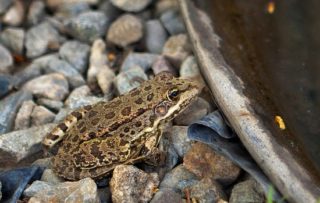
96 138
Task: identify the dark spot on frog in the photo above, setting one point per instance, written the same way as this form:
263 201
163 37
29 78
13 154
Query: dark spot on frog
109 115
147 88
95 121
152 118
63 127
138 124
75 138
150 97
134 92
77 115
81 124
53 137
132 132
92 114
126 111
113 104
88 107
123 142
92 135
82 130
126 129
139 101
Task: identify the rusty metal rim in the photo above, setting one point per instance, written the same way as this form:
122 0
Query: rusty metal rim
286 173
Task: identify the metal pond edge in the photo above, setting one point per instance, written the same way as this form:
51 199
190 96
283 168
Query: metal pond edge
286 173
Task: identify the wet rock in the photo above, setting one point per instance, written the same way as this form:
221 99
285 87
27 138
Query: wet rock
144 60
125 30
131 5
127 80
6 60
162 64
6 84
205 162
71 10
15 181
166 195
37 186
55 82
105 80
98 61
50 104
156 36
50 177
9 107
247 191
4 5
17 145
41 38
76 53
13 39
41 115
206 191
178 179
177 49
74 78
84 190
193 112
23 118
53 4
88 26
173 22
76 94
14 16
180 140
36 12
130 184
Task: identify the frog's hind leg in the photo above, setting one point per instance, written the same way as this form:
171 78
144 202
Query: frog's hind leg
57 134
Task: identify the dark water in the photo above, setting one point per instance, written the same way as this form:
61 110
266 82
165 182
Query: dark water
278 57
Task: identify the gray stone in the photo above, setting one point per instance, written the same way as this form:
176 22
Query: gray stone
41 115
155 37
247 191
177 49
110 10
54 4
88 26
28 73
6 84
15 15
44 61
9 107
125 30
50 177
50 104
74 78
43 163
173 22
17 145
55 82
36 187
36 12
144 60
76 94
71 10
165 5
4 5
13 39
104 195
131 5
198 109
41 38
128 80
84 190
180 140
166 195
0 191
23 118
162 64
6 60
189 68
130 184
76 53
105 80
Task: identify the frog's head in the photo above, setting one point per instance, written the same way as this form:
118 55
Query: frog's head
174 95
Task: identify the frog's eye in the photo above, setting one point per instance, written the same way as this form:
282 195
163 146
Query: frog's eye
173 93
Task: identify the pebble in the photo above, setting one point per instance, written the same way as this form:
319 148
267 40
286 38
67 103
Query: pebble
179 139
4 5
43 163
77 93
74 78
17 145
105 81
189 68
50 177
173 22
166 196
88 26
56 82
54 4
177 49
131 5
144 60
6 85
130 184
14 182
98 61
15 15
207 190
41 115
28 73
247 191
6 60
44 61
128 80
53 105
41 38
205 162
165 5
104 195
71 10
112 11
13 39
125 30
36 12
23 118
155 37
162 64
198 109
9 107
84 190
36 187
76 53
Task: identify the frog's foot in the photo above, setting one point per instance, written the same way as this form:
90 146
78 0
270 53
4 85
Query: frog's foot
156 157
